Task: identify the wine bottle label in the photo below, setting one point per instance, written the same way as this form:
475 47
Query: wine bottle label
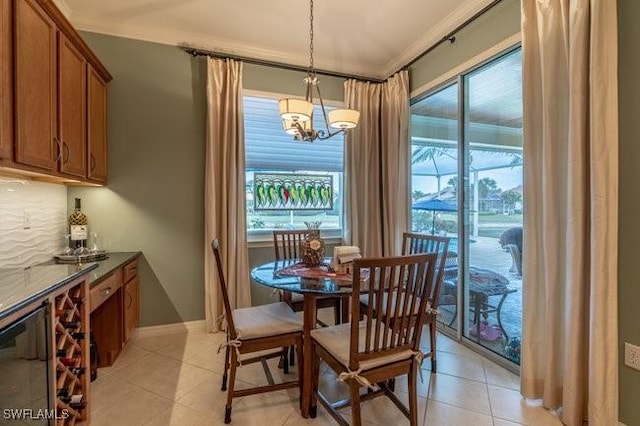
78 232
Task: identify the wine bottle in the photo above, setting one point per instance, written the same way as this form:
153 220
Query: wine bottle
78 335
78 226
69 362
61 353
78 371
72 325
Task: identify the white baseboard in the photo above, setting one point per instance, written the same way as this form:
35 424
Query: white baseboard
179 327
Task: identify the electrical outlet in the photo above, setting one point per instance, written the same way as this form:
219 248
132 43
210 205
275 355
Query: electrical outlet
632 355
26 220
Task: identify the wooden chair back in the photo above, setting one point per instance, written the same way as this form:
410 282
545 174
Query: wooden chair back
287 243
231 330
413 243
394 327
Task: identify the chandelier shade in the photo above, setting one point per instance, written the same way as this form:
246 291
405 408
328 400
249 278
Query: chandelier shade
297 114
291 128
344 118
295 109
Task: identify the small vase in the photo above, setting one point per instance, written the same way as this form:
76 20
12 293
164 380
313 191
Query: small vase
312 248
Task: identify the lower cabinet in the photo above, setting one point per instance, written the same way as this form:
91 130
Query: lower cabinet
131 307
115 307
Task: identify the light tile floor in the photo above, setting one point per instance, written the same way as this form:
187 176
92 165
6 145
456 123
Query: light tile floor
175 380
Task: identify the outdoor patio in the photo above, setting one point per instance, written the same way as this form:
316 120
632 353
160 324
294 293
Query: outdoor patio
486 253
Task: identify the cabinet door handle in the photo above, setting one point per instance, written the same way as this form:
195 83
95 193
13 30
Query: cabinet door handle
65 149
92 161
59 156
107 291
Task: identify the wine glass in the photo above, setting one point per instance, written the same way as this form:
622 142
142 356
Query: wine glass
81 250
67 250
95 247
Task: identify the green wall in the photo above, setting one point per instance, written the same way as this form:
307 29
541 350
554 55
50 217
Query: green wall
629 204
154 200
500 23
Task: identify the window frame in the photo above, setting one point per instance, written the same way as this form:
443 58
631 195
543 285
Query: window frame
264 238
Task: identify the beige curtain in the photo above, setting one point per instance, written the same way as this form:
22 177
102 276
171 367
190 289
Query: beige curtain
225 216
376 165
570 343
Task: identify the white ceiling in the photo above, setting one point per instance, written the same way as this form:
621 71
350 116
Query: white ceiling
361 37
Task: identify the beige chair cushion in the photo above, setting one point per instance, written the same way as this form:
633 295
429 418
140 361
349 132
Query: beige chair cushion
364 299
335 340
265 320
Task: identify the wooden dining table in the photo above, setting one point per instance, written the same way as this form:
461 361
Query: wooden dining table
311 283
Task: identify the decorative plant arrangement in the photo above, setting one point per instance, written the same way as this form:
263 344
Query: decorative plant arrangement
292 192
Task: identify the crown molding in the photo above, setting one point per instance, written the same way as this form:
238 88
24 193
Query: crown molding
63 7
461 14
207 42
173 37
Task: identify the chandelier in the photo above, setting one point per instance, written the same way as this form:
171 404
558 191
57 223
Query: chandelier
297 114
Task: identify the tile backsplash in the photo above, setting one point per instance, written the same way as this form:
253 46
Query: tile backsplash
33 220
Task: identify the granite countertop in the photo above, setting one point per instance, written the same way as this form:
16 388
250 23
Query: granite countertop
21 286
113 262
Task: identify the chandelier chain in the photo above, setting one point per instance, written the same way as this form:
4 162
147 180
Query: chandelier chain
311 70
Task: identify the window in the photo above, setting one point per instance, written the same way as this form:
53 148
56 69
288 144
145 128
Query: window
268 149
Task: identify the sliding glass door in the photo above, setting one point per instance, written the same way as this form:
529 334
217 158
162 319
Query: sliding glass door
467 169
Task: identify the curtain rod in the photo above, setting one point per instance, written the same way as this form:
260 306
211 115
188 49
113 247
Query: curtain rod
201 52
451 35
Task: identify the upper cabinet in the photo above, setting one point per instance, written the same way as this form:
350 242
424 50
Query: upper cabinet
35 86
72 109
56 92
6 80
97 111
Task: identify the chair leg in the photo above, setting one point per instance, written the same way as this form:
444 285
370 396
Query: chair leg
232 382
413 398
285 359
354 389
313 410
300 366
337 312
292 355
226 369
433 329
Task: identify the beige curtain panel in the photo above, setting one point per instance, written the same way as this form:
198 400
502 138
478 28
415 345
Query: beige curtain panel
376 165
570 341
225 216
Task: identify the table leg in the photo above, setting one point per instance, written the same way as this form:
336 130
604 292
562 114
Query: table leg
309 322
498 314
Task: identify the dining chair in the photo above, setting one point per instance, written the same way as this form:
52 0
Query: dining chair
287 247
415 243
260 328
386 343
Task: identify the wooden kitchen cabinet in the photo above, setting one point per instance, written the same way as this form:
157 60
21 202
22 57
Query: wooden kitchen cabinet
6 80
97 138
131 302
35 86
131 307
53 95
115 310
72 110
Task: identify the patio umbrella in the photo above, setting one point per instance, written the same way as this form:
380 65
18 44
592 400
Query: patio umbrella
434 205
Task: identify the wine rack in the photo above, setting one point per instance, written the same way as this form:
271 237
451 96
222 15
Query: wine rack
71 355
